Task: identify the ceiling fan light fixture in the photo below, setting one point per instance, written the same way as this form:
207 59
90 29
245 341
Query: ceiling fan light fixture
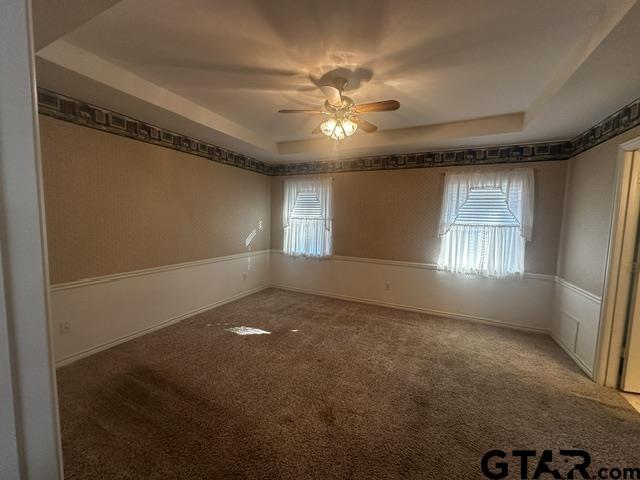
342 114
338 129
349 127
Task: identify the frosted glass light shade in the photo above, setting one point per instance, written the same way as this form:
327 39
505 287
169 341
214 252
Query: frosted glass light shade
338 129
349 127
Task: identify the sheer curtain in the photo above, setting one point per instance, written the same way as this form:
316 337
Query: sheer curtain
489 238
307 218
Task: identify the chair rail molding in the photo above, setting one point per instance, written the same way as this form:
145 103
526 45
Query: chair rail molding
523 303
94 314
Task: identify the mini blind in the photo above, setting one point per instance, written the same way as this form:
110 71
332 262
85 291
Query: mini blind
487 218
485 206
307 205
307 217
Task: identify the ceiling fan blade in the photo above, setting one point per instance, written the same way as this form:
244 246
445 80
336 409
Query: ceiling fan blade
333 95
318 129
363 124
309 112
384 106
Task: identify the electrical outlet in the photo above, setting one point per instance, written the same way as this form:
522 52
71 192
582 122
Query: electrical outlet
65 328
244 277
387 286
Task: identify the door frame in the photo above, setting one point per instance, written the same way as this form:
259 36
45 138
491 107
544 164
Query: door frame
29 425
620 258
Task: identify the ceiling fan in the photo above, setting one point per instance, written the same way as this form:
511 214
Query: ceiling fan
343 115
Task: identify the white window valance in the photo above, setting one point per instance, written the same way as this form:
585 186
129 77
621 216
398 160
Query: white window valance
307 217
486 221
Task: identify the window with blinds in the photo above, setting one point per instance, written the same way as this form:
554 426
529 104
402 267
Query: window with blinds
307 218
307 205
487 218
486 207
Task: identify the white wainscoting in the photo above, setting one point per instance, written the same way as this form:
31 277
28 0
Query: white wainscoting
517 302
576 321
108 310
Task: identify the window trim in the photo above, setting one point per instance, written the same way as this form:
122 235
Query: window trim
464 248
308 236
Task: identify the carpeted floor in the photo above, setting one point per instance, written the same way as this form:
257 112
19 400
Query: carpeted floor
337 390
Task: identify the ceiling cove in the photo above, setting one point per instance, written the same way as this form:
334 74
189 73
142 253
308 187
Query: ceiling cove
82 113
467 74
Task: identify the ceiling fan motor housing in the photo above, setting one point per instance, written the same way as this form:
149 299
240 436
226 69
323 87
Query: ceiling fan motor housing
347 104
343 114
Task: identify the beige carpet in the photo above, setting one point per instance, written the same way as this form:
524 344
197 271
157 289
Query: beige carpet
336 390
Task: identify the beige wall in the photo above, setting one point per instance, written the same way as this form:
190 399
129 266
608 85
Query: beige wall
115 205
591 179
394 214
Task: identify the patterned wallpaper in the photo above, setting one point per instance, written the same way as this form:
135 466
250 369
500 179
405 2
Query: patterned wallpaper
590 194
113 205
394 216
82 113
76 111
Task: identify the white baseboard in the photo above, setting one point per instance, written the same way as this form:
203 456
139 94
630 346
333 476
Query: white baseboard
524 303
102 312
573 356
439 313
112 343
110 310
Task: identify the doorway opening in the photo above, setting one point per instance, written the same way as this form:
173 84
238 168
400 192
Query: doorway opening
619 342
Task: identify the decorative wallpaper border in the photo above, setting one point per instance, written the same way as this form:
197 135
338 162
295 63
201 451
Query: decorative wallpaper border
615 124
82 113
618 122
529 152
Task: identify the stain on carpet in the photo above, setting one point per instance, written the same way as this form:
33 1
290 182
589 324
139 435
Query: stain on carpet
337 390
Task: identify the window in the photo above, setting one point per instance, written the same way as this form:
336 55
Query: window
307 217
486 221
